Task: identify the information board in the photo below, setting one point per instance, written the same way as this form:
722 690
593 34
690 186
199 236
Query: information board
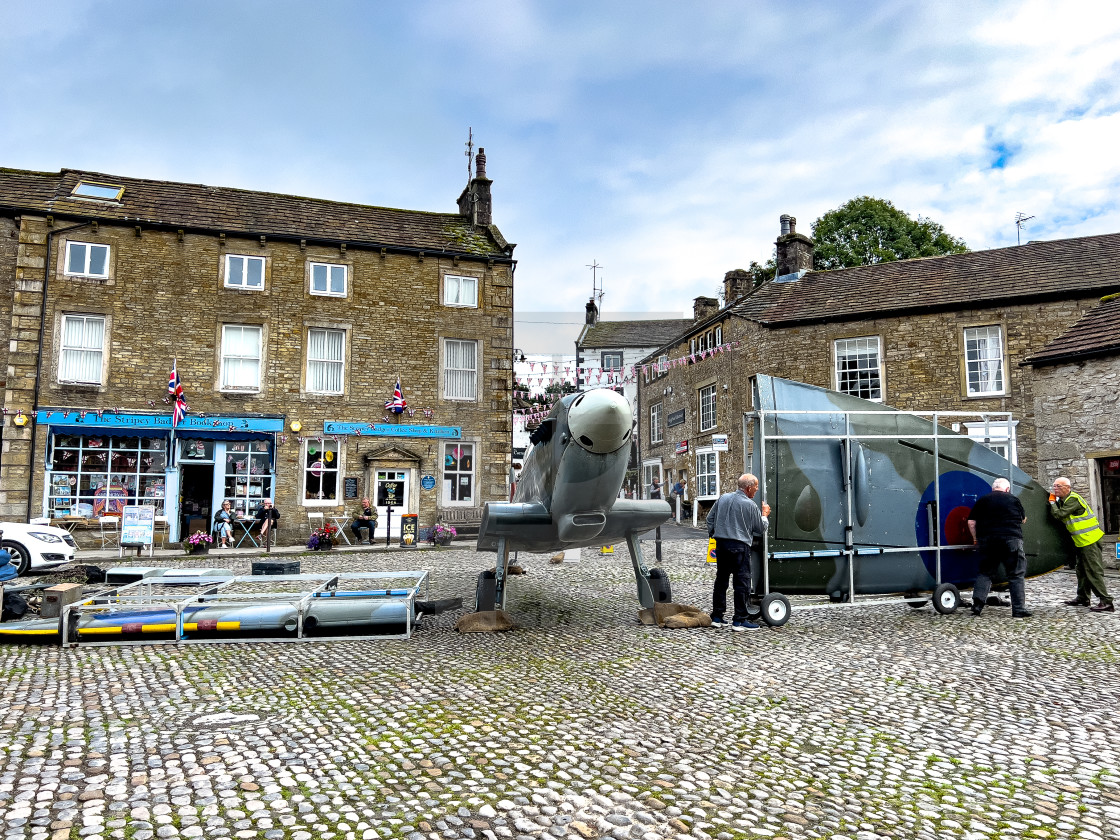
138 524
350 487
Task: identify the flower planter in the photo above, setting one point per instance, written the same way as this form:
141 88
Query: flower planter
325 546
202 548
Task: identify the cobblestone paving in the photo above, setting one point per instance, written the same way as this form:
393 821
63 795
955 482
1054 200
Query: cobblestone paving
878 721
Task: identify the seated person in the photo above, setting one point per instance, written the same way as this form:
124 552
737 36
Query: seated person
267 516
365 517
8 570
223 524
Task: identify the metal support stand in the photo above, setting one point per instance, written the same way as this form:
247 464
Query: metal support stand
641 573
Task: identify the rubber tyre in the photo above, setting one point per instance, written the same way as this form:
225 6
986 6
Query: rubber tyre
659 584
21 558
776 609
484 592
946 599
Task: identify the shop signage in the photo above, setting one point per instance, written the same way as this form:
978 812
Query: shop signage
409 527
138 524
332 427
428 482
92 419
350 486
674 419
719 443
682 447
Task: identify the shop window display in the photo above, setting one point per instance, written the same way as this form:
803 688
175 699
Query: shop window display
94 475
248 478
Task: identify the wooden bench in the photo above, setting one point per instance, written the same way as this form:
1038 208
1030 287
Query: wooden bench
466 521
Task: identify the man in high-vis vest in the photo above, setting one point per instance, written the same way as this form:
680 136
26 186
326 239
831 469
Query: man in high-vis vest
1074 512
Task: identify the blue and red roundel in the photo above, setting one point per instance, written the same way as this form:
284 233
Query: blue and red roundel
959 492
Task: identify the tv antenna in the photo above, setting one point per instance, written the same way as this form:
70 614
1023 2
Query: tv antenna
596 284
470 153
1019 219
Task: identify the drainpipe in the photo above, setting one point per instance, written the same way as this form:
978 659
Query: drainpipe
39 365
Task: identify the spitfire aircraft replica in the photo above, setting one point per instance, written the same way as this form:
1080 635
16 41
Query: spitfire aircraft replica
568 496
868 500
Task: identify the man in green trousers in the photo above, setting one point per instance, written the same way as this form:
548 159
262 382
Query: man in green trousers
1074 512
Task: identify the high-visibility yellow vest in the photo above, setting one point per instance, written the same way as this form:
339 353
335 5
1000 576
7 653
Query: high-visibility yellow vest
1084 529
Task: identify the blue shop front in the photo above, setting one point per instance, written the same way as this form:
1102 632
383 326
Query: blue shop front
98 461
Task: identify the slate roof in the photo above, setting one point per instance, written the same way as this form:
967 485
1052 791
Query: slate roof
651 333
235 211
1059 268
1096 334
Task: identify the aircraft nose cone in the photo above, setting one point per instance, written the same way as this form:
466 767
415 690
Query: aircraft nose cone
600 421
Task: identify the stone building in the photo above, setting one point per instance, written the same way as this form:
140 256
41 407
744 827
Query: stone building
290 319
1076 383
940 333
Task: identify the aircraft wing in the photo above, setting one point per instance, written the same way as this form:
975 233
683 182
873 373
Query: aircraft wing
530 527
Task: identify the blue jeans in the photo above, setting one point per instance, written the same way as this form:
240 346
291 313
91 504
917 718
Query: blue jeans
733 562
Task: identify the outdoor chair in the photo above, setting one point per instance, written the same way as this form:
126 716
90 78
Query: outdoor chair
110 531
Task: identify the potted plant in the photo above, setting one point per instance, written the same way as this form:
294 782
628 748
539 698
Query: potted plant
324 538
199 543
442 534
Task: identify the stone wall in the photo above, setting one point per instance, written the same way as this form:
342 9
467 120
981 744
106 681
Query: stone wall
165 299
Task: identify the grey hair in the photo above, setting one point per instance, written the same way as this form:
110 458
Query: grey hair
1002 485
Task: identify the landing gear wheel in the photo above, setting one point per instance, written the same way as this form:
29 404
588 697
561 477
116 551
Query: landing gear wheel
484 592
659 584
946 599
775 609
21 558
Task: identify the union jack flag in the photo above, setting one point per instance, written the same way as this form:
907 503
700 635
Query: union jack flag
397 404
175 392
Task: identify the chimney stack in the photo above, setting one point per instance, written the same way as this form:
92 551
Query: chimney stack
592 312
795 251
736 283
702 307
474 201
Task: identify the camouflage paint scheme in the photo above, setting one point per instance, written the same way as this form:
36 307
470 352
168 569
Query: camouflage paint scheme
892 500
568 492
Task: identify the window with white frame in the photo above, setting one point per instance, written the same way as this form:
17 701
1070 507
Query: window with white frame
719 336
244 272
707 474
692 346
858 370
612 361
82 354
997 435
656 432
707 407
85 259
460 369
320 472
651 470
983 354
328 279
460 291
325 354
241 357
662 365
458 473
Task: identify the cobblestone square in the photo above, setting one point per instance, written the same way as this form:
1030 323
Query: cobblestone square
877 721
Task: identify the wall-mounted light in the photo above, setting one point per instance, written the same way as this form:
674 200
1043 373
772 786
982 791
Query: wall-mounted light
20 419
295 425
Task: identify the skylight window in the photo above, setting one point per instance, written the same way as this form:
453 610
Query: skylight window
92 189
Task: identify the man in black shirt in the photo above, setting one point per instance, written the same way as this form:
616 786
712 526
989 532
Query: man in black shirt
996 523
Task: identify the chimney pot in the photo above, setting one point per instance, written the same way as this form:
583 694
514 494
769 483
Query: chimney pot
480 163
793 224
785 224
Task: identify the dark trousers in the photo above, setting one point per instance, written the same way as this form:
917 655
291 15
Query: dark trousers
1006 552
357 526
1090 573
733 562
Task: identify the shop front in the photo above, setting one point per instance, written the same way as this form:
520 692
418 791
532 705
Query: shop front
99 461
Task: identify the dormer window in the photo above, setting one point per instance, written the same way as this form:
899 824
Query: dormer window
93 189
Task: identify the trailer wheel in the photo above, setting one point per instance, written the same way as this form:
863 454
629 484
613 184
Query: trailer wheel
484 595
775 609
659 584
946 599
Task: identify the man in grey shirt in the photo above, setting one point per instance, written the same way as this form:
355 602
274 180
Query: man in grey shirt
736 522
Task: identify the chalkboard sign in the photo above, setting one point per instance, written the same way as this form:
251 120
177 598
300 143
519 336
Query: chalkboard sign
350 487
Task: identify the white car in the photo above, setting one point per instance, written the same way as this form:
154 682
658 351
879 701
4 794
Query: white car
37 546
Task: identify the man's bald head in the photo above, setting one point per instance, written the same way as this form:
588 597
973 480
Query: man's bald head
1001 485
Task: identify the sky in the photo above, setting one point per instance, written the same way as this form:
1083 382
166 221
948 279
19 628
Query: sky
660 140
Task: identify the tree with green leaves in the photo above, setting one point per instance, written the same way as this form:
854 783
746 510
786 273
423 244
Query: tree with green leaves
867 230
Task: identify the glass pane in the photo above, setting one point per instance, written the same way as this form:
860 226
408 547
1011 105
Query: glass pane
256 272
76 258
318 278
338 279
98 259
235 271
